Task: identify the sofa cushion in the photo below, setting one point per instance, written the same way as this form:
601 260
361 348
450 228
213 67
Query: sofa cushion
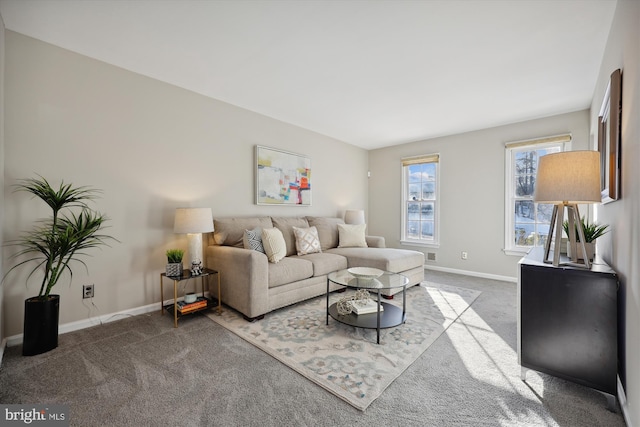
327 230
289 269
394 260
352 235
253 240
324 263
274 245
230 231
286 224
307 241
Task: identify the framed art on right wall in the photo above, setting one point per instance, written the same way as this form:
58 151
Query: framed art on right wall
609 143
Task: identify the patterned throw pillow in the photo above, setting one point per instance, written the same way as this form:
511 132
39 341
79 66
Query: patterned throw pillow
274 244
307 241
352 236
253 240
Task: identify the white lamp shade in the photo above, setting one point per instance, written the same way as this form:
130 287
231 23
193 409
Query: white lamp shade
570 176
354 217
193 220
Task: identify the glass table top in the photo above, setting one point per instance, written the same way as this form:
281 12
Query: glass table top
387 280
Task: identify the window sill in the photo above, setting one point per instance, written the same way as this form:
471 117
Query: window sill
422 244
516 252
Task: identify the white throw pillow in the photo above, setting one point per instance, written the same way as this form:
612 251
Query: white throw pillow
307 240
274 244
352 235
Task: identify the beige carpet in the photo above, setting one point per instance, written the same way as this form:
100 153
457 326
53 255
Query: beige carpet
345 360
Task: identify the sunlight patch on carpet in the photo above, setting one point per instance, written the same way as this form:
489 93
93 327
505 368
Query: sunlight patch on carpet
476 344
344 360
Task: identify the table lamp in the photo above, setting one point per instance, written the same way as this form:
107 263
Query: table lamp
354 217
193 222
567 179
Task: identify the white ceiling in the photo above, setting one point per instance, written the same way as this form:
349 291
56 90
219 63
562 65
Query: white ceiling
370 73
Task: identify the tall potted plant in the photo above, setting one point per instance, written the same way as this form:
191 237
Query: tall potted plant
51 247
591 232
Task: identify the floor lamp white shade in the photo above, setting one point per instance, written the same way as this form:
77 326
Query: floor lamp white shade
354 217
193 222
567 179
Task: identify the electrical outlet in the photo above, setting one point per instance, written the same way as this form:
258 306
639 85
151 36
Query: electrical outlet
87 291
464 255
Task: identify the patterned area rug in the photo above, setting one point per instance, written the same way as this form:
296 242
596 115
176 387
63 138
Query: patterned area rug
345 360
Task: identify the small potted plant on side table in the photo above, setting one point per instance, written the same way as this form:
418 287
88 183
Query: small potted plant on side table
591 232
174 262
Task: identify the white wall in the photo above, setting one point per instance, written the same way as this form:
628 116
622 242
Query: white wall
621 246
151 147
472 194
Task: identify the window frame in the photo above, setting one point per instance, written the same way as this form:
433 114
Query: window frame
564 142
404 168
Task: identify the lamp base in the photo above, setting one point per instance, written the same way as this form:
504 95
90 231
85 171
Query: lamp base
195 247
557 219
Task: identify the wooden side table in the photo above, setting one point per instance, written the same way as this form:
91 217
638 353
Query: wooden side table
186 275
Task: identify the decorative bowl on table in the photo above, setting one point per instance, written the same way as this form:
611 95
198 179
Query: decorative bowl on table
365 272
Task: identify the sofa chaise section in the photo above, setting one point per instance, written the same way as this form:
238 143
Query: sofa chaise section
406 262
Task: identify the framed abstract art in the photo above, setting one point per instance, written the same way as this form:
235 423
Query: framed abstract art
282 178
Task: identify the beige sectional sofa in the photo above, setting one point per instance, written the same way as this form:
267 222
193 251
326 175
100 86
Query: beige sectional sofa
254 286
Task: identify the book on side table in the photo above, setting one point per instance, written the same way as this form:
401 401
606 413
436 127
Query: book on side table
184 308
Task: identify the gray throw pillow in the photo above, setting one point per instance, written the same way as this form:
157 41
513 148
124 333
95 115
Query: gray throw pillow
252 239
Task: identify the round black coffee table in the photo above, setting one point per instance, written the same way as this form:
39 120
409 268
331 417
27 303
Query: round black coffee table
389 317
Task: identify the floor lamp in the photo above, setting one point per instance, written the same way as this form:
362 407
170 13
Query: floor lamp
567 179
193 222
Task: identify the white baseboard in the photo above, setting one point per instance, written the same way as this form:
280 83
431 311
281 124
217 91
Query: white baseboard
472 273
624 404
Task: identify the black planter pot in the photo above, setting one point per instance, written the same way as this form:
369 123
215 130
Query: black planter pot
40 325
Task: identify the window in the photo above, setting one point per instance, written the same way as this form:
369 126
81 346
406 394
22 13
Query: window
420 199
527 223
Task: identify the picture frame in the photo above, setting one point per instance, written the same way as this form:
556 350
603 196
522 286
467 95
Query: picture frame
609 142
282 177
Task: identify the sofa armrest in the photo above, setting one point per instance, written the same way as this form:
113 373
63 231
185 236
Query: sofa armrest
375 241
244 278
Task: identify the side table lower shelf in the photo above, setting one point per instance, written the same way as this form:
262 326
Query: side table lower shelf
211 303
173 307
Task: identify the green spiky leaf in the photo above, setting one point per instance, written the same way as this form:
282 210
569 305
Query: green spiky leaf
591 230
56 243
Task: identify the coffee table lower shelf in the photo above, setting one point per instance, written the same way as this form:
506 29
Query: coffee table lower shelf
390 317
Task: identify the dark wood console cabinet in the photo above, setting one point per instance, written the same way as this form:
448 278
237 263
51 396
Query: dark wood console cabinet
567 322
